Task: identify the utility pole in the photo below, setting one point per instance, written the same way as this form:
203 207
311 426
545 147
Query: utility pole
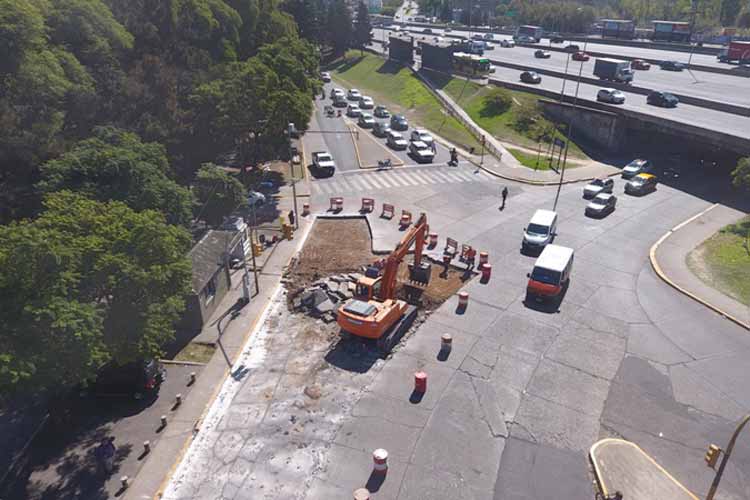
291 132
727 453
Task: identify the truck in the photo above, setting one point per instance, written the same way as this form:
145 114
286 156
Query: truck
528 34
613 70
735 51
323 163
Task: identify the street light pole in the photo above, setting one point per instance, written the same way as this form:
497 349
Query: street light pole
727 453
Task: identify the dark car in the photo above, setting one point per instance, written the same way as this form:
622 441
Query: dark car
671 66
556 38
136 379
399 122
572 48
427 31
662 99
530 77
542 54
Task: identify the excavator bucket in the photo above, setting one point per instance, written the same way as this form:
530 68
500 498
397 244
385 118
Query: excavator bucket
421 273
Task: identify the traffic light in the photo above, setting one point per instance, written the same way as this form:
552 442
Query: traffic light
712 455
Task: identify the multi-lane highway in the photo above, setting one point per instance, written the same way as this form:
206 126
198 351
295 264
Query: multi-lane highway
701 84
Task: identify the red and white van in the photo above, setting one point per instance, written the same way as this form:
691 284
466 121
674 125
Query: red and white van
551 273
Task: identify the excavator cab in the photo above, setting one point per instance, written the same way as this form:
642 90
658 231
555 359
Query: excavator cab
368 288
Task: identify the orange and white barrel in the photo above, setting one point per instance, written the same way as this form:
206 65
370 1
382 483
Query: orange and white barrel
380 460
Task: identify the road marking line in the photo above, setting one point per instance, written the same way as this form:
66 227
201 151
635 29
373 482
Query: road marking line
366 184
356 182
422 178
465 176
395 179
321 186
441 178
384 180
411 180
454 176
378 183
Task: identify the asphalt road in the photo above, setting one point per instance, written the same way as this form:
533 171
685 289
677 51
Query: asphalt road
615 50
712 86
684 113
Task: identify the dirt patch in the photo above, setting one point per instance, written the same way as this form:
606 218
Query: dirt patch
334 246
441 287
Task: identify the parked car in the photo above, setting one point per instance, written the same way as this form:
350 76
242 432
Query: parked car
396 140
366 102
556 38
601 205
612 96
598 186
353 111
399 122
138 379
635 167
641 184
421 152
382 112
323 163
366 120
325 76
255 199
640 64
662 99
671 66
507 43
530 77
354 95
542 54
421 134
580 56
381 129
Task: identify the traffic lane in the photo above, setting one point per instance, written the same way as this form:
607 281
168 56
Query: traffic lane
691 115
442 153
335 133
714 86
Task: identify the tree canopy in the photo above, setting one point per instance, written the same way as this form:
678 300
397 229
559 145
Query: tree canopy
362 27
741 174
85 283
218 194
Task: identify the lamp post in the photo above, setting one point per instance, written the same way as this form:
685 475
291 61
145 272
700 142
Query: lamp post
292 132
727 453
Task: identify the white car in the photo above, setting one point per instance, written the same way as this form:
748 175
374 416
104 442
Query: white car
597 186
325 76
366 102
396 140
421 152
396 28
353 111
255 199
612 96
488 36
422 135
601 205
489 46
354 95
508 44
323 162
335 92
366 120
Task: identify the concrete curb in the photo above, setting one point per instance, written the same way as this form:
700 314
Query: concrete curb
397 163
663 276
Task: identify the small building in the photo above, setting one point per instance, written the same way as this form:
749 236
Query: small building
401 49
671 31
211 260
618 28
438 55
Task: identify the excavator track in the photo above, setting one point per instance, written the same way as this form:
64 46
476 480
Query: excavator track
387 342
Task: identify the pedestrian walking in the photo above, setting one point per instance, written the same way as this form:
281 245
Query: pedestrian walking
434 147
505 195
454 158
105 455
291 217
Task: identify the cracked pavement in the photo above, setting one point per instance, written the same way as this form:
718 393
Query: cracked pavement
512 411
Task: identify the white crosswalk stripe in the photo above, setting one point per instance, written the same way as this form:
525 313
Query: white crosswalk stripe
407 177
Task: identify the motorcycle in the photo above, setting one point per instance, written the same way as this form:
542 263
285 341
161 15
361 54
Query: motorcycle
385 163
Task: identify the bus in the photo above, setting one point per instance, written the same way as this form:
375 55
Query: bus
471 64
671 31
528 34
618 28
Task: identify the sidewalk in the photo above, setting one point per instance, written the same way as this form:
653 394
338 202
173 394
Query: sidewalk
507 166
669 254
187 420
623 466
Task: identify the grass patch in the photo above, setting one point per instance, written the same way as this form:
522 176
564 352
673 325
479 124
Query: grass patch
196 353
544 163
395 86
723 261
471 97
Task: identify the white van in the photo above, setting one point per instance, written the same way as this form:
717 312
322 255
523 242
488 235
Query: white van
541 230
551 273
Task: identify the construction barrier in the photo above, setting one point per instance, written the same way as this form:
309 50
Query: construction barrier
420 382
446 342
337 204
433 240
463 299
362 494
483 258
388 211
368 205
405 218
465 253
380 460
305 209
451 247
486 271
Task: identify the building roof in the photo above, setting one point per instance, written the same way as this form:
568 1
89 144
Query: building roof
208 254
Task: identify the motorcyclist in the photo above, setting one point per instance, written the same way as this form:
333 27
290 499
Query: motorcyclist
454 157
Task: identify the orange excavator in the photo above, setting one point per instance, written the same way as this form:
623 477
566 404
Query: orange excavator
374 312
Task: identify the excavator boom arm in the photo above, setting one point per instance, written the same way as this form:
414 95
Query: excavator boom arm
416 235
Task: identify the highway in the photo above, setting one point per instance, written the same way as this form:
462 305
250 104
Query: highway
712 86
692 115
615 50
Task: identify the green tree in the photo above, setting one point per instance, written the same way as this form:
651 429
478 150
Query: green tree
497 102
741 174
85 283
308 14
116 165
218 194
339 27
362 27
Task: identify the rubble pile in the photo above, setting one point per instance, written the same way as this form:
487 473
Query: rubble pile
322 298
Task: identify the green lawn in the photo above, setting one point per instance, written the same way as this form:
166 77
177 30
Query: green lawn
723 261
544 162
470 96
397 88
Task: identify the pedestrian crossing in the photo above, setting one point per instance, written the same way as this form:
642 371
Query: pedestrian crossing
375 180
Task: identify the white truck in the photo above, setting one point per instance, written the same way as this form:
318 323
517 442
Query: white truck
323 163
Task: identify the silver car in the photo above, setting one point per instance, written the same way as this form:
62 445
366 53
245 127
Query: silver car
601 205
593 188
612 96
